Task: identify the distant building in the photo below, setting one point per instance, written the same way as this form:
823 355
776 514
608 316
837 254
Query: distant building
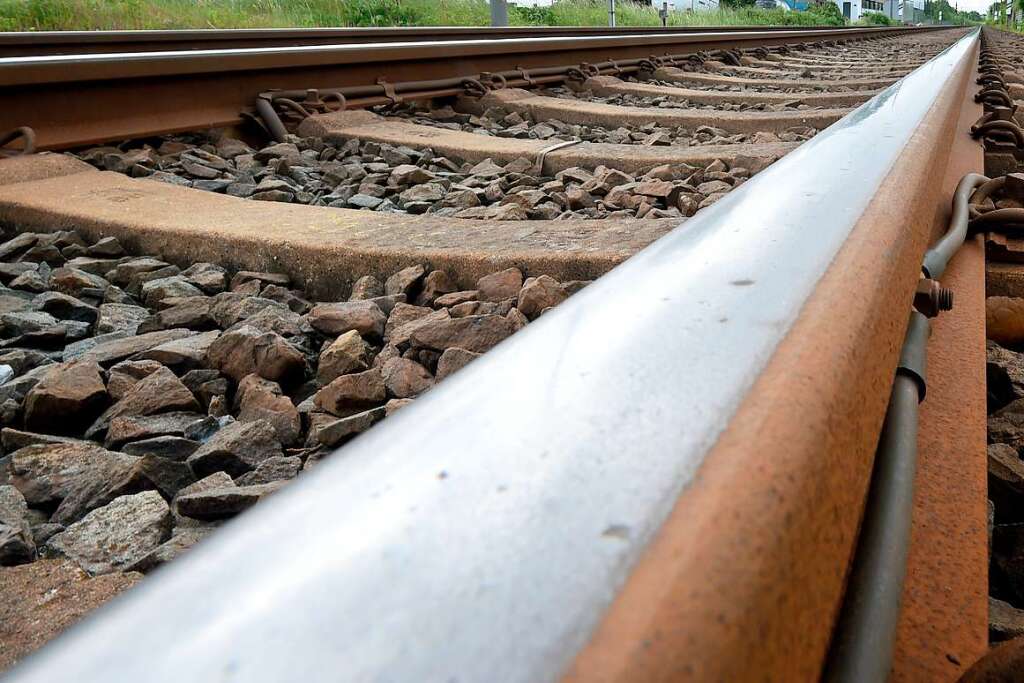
690 5
678 5
907 11
855 9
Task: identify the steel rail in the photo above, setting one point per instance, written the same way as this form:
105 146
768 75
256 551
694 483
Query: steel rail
74 100
37 43
483 532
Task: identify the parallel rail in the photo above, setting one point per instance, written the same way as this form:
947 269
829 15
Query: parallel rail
35 44
73 100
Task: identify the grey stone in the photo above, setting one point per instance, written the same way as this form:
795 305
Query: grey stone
17 388
225 502
155 291
114 537
236 449
113 350
262 278
277 468
208 277
17 545
205 385
191 312
366 287
106 246
31 281
337 431
184 353
204 429
120 318
182 540
47 473
128 428
175 448
15 439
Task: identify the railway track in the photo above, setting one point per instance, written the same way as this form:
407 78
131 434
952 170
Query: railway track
38 43
695 252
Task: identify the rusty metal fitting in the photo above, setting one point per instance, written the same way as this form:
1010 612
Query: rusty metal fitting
931 297
646 65
23 132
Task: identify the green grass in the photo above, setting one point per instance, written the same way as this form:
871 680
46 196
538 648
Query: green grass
66 15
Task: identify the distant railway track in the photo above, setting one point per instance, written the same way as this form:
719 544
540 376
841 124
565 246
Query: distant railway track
77 99
707 464
38 43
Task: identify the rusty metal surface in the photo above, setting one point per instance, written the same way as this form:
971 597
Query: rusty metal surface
82 99
943 623
36 43
740 585
944 619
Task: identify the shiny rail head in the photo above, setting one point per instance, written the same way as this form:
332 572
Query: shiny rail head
481 533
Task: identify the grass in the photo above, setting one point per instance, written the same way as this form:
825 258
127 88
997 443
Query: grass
66 15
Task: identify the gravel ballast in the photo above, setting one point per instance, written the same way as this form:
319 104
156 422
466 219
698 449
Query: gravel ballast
384 178
142 404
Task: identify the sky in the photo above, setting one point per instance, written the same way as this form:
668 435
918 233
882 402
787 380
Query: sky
980 6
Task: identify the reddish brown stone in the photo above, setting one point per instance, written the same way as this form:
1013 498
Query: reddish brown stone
500 285
476 333
67 399
348 392
405 378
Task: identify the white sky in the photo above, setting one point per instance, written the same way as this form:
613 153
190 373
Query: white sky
980 6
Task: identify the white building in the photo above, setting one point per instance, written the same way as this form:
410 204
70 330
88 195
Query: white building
687 5
678 5
907 11
855 9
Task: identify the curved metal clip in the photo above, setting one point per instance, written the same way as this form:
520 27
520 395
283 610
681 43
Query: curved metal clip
473 87
389 91
23 132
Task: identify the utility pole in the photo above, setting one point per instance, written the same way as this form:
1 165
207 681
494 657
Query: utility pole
611 13
499 13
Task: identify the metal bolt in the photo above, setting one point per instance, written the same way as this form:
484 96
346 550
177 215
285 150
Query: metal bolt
931 297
